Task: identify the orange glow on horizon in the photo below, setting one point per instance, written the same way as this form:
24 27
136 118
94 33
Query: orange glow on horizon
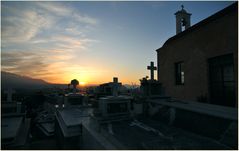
60 73
81 83
93 82
90 80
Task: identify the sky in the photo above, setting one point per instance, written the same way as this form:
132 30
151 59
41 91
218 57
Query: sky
90 41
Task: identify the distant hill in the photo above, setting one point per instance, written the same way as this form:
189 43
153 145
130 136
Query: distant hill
16 81
23 82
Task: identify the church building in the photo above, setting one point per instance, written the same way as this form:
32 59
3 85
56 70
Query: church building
200 63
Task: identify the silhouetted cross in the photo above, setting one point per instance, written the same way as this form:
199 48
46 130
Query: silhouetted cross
151 68
182 6
115 86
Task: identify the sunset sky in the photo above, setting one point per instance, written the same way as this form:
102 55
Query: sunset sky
90 41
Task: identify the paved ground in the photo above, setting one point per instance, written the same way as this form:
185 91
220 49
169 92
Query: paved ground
44 144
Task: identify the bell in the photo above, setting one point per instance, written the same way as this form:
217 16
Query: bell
184 22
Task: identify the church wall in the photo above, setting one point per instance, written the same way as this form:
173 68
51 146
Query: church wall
216 38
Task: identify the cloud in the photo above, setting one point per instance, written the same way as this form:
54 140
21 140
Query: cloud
54 8
41 38
63 10
69 44
85 19
74 31
23 25
33 64
54 67
21 62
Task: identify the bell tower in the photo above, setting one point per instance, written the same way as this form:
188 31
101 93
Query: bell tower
182 20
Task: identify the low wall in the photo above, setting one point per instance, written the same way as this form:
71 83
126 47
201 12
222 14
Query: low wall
218 128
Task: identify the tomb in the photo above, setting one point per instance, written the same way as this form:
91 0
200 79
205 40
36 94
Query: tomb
115 107
112 127
15 127
111 109
68 126
212 121
145 133
106 89
69 117
45 122
74 99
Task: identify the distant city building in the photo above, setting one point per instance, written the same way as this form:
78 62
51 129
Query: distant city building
200 63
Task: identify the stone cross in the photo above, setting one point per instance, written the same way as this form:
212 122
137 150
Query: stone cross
9 94
182 7
115 86
152 68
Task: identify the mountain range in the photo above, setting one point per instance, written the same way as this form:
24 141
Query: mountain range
15 81
11 80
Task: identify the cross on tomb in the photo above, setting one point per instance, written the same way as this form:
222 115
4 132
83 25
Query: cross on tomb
152 68
115 86
9 94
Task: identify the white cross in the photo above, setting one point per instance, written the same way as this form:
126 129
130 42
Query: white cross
9 94
152 68
115 86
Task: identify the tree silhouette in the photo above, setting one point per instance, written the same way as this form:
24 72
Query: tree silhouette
74 82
